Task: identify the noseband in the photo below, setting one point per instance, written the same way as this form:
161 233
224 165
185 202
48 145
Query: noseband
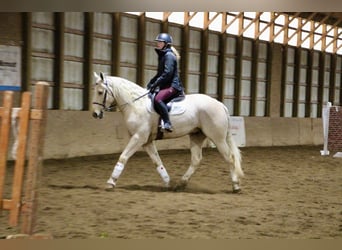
103 104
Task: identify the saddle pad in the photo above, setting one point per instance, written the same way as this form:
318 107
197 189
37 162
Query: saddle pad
176 108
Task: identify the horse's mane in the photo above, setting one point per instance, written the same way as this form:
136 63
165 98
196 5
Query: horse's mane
127 89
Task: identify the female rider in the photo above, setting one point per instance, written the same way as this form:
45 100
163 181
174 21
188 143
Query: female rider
166 83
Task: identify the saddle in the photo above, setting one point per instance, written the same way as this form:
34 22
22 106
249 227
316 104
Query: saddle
174 107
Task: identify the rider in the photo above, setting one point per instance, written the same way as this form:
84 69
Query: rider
166 83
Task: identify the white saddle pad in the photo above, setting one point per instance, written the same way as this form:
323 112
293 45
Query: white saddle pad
177 108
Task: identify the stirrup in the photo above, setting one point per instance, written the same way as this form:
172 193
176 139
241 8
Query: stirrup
167 126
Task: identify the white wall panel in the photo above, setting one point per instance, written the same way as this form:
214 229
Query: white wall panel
42 40
43 17
193 83
231 45
103 23
102 68
195 39
246 88
262 70
128 53
213 42
194 61
176 33
74 20
211 88
102 49
246 68
262 51
302 76
229 86
129 27
290 55
247 48
261 89
151 57
72 99
128 73
73 72
212 64
152 31
42 69
230 66
73 45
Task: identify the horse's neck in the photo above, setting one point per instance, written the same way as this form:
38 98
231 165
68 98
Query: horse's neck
126 92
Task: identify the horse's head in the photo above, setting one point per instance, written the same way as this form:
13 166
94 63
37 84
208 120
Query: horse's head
103 97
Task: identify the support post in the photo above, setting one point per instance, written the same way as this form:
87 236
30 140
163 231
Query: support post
37 133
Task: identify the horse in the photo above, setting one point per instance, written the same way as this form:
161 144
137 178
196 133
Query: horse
201 117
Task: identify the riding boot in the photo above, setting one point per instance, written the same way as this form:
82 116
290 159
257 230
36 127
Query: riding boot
165 116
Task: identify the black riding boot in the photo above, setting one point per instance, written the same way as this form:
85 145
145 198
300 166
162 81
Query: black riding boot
165 116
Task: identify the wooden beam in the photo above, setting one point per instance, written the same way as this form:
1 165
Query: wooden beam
252 22
238 72
166 16
267 25
116 27
221 66
5 129
188 17
184 62
35 161
141 50
88 59
17 185
59 61
204 61
272 24
205 20
335 38
257 25
337 48
210 20
27 51
227 25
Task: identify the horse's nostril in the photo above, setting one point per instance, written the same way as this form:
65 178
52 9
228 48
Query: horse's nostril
94 115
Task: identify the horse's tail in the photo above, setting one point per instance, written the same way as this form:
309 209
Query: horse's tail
235 153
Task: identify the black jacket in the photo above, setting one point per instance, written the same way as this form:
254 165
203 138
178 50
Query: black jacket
167 74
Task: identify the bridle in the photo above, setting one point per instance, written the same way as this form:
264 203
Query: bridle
103 104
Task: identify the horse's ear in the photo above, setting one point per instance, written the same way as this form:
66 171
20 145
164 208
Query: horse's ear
96 75
102 76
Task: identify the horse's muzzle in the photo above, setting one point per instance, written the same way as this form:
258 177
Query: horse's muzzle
98 116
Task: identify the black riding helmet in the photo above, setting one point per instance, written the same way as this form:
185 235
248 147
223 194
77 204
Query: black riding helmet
164 37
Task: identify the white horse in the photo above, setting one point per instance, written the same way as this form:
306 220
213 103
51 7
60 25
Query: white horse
201 117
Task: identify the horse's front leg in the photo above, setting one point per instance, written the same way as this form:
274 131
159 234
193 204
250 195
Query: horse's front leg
151 150
133 145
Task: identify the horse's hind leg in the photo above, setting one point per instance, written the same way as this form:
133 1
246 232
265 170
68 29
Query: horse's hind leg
151 150
231 155
196 145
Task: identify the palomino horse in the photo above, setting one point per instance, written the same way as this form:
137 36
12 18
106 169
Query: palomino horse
201 117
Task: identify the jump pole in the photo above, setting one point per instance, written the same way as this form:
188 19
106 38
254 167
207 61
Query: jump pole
35 158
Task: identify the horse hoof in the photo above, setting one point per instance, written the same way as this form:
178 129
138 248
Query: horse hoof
109 187
236 190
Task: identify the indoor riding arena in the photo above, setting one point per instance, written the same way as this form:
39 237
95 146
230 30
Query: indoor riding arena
278 73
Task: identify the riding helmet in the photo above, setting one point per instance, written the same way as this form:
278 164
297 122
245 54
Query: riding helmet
164 37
